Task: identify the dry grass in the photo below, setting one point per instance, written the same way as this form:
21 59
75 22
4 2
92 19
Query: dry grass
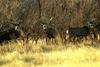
20 54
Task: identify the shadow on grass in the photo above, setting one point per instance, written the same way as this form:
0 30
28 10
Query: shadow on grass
3 62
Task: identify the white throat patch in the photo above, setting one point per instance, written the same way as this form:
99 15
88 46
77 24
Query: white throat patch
67 31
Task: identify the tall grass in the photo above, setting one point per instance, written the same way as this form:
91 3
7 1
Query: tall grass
17 54
66 13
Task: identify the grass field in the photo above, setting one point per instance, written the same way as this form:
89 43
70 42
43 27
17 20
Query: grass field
19 54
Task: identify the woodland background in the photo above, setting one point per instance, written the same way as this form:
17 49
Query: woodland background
30 13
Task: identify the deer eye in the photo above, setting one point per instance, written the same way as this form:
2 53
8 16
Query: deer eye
44 27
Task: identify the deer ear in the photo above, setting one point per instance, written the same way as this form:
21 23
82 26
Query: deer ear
15 24
41 24
1 26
